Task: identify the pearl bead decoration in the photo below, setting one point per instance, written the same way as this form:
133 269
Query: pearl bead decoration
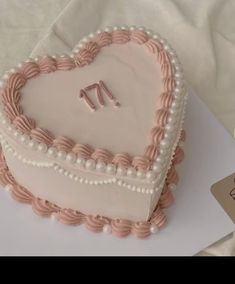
121 171
71 158
132 28
8 187
172 186
140 174
24 138
153 229
107 229
157 168
115 28
151 175
91 36
131 172
90 164
61 155
52 152
111 169
80 162
108 29
42 147
100 166
33 145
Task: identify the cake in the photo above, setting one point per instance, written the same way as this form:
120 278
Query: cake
94 137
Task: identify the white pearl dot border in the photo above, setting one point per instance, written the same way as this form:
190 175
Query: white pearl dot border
72 176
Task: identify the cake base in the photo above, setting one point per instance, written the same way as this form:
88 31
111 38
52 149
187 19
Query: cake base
118 227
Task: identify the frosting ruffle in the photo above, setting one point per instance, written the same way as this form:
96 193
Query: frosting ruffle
119 227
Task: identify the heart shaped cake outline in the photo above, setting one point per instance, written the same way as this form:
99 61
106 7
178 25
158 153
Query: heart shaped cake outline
167 115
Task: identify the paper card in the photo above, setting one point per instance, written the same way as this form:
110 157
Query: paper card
224 192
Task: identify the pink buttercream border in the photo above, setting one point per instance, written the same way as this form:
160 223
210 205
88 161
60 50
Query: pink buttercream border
118 227
11 98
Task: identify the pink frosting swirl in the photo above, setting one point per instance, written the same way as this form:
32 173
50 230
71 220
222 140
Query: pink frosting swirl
153 46
30 69
151 152
44 208
83 150
47 64
65 63
63 143
42 136
166 198
6 178
169 84
11 96
163 57
21 194
16 81
183 136
103 39
121 36
156 134
24 123
12 110
161 117
165 100
158 217
178 156
2 158
3 168
92 47
139 37
122 160
172 176
84 57
102 155
70 217
141 163
121 228
96 223
167 70
141 229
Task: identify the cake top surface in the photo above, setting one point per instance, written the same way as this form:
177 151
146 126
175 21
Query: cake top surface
133 77
116 99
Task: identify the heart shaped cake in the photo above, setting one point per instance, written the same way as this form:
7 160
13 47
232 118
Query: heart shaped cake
94 137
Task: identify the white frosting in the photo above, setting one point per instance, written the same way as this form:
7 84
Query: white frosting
133 77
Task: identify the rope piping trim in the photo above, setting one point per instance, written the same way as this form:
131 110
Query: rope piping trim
118 227
170 99
140 189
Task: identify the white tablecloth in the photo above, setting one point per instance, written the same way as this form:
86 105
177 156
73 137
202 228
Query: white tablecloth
202 32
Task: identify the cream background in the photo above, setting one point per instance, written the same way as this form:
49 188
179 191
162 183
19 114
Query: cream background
202 32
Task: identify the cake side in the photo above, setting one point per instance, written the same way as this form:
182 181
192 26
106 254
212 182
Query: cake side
118 227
